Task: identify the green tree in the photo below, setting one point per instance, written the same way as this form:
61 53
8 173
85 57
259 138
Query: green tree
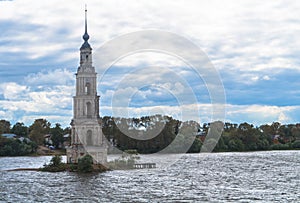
4 126
38 130
57 135
221 146
196 146
6 151
55 165
15 147
67 130
85 164
20 129
236 145
56 161
295 131
263 144
275 127
296 144
267 130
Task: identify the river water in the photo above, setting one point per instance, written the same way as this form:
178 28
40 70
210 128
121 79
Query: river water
271 176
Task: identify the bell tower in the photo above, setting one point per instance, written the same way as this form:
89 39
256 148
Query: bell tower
86 129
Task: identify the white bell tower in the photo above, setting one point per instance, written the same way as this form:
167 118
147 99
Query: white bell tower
86 128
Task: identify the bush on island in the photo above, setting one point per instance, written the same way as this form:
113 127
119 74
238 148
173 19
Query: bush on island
85 164
55 165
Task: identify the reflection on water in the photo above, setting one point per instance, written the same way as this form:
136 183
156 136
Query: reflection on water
217 177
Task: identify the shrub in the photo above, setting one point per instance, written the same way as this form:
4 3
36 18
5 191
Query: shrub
56 161
280 147
73 167
296 144
85 164
55 165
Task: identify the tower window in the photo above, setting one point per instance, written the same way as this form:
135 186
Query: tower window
88 88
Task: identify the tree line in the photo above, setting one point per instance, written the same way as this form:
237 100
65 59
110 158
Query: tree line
151 134
173 135
35 133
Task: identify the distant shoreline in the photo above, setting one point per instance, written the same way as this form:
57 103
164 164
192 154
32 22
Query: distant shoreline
24 169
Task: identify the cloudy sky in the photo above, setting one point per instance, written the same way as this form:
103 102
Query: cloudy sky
253 45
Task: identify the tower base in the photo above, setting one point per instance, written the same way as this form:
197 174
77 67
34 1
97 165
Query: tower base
75 152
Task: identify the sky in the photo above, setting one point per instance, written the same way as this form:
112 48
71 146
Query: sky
252 45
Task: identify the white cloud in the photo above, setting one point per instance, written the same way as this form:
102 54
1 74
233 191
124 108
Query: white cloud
6 115
266 77
57 77
223 28
250 78
255 114
48 95
147 58
64 120
239 37
43 102
260 114
12 90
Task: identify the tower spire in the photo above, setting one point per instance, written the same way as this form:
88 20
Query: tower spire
86 36
85 20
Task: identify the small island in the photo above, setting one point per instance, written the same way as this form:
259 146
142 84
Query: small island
85 164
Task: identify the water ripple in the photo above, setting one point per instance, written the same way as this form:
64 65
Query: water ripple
218 177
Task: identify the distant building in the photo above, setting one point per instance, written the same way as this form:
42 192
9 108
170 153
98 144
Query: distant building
14 136
66 141
24 139
275 139
86 128
9 135
48 140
